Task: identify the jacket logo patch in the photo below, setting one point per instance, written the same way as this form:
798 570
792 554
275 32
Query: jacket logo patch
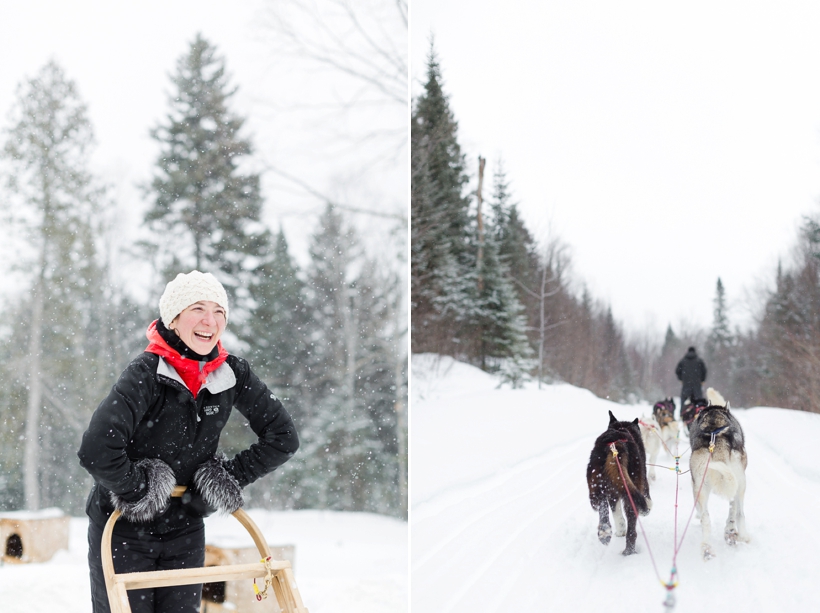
211 410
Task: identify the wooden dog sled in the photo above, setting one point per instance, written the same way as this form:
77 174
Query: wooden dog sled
276 574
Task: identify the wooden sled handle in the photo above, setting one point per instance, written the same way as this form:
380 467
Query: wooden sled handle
284 588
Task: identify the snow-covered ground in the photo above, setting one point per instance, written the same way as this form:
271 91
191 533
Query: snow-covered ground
501 520
344 563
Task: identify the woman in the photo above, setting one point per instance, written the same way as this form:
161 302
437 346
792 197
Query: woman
158 428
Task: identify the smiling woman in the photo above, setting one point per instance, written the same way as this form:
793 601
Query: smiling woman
159 427
200 325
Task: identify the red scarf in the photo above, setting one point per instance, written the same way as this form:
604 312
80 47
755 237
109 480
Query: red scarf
187 368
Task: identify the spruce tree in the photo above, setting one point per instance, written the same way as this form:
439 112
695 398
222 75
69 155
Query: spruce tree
346 464
439 217
276 335
59 334
720 336
492 320
719 343
516 247
277 329
205 211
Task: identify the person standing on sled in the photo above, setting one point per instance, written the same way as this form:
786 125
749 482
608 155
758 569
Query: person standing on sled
691 372
159 427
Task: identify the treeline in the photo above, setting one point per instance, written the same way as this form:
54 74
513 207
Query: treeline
484 291
777 362
328 338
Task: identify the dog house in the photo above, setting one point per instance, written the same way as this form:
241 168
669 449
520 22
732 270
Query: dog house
32 536
238 596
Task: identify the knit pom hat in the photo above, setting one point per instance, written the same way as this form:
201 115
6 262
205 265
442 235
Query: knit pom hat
185 290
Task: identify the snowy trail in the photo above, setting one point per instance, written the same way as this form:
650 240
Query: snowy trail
467 538
523 536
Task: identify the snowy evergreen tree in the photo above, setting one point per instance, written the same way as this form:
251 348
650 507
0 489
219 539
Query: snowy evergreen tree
277 329
59 339
205 211
492 320
276 334
439 218
349 454
516 247
719 343
720 336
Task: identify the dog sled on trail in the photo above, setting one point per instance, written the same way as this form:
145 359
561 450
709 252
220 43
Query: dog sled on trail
717 464
274 574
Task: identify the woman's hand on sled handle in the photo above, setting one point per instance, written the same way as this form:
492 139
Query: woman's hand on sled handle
218 487
157 484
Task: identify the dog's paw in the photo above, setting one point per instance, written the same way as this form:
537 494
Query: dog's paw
629 551
707 552
605 534
731 537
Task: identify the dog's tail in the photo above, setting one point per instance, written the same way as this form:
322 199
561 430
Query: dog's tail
715 398
622 481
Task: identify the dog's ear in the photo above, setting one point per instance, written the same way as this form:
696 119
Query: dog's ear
635 422
612 419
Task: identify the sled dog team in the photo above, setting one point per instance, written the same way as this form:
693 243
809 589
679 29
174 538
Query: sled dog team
617 470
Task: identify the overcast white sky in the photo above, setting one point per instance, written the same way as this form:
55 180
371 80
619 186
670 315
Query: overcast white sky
121 56
668 143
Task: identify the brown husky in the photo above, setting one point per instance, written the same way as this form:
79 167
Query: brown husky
609 489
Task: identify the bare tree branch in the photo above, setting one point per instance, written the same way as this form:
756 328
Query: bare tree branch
327 200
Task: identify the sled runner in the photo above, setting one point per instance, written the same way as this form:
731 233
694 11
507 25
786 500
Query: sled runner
274 573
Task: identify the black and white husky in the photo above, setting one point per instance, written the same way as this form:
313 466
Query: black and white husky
610 486
722 470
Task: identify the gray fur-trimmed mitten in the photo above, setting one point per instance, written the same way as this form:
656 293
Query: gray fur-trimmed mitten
160 482
219 488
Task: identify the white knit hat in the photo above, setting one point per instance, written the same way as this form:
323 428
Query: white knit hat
185 290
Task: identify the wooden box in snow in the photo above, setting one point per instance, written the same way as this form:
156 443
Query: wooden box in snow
238 596
33 536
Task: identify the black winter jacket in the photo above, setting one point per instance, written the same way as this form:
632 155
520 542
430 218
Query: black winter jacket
691 370
150 413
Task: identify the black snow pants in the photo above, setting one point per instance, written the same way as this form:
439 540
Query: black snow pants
688 391
141 551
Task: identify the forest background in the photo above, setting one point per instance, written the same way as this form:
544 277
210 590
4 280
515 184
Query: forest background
485 291
323 324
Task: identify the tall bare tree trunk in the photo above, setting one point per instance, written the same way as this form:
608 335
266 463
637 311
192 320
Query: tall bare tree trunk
400 407
31 454
351 330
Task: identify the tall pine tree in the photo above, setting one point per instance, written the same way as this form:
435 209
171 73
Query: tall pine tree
205 212
349 455
439 218
719 342
59 337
